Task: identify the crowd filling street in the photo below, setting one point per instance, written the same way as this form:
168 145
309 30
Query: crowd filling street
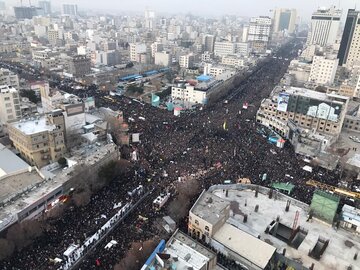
216 143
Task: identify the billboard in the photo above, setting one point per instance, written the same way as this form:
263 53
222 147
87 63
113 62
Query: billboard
283 101
324 110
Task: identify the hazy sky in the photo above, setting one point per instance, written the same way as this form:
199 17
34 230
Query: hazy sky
207 7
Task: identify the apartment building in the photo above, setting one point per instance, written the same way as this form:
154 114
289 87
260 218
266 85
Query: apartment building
224 48
9 104
233 61
9 78
163 58
259 33
323 69
319 112
40 140
79 65
187 61
207 216
136 49
242 48
188 93
214 71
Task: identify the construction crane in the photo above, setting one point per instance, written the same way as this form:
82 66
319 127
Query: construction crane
340 191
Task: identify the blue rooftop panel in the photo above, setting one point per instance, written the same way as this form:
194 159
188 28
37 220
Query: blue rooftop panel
204 78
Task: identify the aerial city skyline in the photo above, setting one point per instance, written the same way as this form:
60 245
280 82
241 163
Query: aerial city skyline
202 7
198 135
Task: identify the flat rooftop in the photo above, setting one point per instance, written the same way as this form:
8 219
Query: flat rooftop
256 251
4 89
8 213
33 125
11 185
342 245
10 163
189 252
315 95
210 207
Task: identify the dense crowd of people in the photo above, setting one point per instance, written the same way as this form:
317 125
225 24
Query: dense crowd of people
213 144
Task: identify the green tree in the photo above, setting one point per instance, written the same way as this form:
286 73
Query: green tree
31 95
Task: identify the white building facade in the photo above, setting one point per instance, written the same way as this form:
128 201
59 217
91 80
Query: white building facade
323 70
325 25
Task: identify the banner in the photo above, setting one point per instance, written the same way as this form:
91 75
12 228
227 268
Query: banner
155 100
283 101
135 137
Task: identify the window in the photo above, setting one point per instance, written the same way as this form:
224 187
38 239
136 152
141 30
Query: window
196 222
207 228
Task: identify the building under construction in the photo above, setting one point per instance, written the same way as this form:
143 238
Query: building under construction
26 12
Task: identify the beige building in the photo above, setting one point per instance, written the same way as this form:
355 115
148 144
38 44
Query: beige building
187 61
136 49
308 109
9 78
53 36
40 140
233 61
224 48
323 69
207 216
163 58
343 90
9 104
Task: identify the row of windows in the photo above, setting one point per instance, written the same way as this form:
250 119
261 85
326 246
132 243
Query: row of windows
206 227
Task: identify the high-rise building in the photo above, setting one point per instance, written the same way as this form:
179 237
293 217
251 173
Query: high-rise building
149 19
9 104
70 9
45 7
259 33
187 61
284 19
22 13
209 42
350 41
2 6
325 23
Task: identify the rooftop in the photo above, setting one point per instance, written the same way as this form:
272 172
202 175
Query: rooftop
10 163
210 207
4 89
255 250
342 246
8 213
315 95
33 125
188 252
